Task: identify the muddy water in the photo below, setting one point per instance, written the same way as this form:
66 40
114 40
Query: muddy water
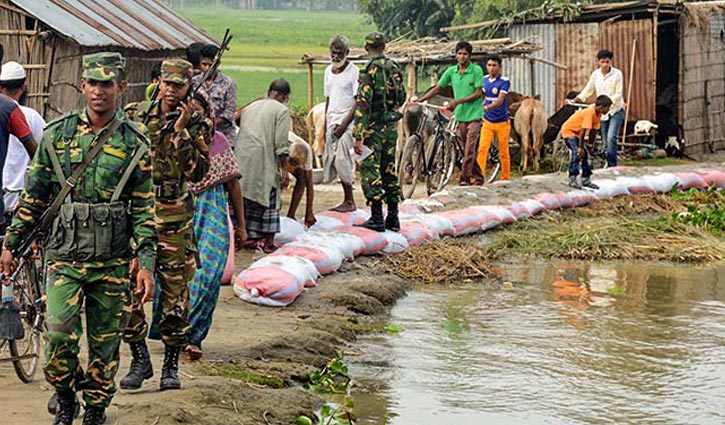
565 344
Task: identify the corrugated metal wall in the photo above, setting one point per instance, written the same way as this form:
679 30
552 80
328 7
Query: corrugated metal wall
519 70
618 37
576 47
702 63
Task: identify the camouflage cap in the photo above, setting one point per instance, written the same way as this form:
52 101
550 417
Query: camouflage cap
176 71
375 39
103 66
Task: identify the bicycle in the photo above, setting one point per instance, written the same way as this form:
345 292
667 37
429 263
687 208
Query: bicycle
28 296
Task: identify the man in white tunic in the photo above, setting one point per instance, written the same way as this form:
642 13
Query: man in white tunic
341 83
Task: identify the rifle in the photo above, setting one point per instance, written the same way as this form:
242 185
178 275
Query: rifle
172 116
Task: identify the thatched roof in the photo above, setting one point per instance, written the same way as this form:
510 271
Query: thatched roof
431 51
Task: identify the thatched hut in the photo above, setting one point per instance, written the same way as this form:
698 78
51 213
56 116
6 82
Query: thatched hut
49 38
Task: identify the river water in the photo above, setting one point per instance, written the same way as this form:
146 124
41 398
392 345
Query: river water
565 343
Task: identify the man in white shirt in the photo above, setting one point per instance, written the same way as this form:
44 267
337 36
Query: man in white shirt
12 85
607 80
341 83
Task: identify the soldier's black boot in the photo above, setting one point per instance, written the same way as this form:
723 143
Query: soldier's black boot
94 416
67 409
391 220
170 370
375 222
141 368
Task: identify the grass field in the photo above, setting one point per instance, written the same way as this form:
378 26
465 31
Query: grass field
268 44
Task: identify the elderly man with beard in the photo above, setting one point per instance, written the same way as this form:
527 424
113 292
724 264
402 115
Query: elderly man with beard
341 83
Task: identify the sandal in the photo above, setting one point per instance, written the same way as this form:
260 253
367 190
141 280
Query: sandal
193 352
253 244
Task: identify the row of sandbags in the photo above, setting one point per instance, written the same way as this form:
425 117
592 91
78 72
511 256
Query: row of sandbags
304 256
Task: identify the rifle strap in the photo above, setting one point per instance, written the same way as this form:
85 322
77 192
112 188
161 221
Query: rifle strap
70 182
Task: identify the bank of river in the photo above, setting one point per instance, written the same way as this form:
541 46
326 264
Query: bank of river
622 343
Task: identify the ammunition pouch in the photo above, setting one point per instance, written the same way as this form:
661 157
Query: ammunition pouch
90 233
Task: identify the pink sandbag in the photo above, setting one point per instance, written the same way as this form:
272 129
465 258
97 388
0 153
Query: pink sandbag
415 233
505 216
690 180
565 200
326 261
636 185
582 197
349 218
713 177
269 286
519 210
374 241
229 268
469 220
551 201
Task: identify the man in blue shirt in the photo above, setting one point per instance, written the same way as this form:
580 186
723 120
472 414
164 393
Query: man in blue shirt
495 116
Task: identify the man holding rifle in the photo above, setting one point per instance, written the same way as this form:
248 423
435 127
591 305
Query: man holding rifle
179 154
95 166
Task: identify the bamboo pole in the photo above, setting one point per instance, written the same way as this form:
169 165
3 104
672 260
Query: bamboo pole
310 87
629 89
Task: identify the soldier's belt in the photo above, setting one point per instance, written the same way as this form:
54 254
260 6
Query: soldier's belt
170 190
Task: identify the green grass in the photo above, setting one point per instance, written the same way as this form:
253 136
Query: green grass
276 40
234 371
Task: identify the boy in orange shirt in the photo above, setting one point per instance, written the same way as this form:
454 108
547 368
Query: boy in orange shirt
575 131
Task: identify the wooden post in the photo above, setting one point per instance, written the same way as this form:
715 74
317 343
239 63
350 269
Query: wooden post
310 87
533 79
412 79
629 89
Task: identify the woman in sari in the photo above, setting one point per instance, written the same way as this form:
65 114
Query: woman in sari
211 229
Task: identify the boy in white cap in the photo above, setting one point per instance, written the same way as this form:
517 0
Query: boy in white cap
12 85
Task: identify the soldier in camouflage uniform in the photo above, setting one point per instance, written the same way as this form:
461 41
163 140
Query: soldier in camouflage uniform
380 94
179 154
88 248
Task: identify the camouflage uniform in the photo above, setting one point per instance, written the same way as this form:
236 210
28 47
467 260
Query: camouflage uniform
175 161
223 94
377 171
72 279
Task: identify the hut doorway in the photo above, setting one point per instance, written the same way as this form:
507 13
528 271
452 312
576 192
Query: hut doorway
668 79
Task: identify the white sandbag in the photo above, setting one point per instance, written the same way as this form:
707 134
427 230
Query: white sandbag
504 215
348 245
289 230
662 183
326 258
636 185
396 243
581 198
301 268
437 224
325 223
608 189
533 206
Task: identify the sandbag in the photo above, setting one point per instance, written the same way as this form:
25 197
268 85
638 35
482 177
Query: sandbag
437 224
348 218
550 201
609 189
397 243
270 286
535 207
374 241
636 185
325 223
348 245
713 177
415 233
505 216
564 200
689 180
662 183
289 230
301 268
581 198
325 258
470 220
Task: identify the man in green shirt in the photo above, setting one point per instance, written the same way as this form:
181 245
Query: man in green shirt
467 81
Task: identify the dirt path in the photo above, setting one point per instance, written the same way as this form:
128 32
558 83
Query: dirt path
256 349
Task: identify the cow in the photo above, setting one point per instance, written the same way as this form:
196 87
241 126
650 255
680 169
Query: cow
530 123
316 131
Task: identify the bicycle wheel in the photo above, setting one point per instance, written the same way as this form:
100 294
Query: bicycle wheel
450 158
560 155
27 350
409 168
437 165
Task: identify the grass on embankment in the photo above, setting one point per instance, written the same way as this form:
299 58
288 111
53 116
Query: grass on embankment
276 39
238 373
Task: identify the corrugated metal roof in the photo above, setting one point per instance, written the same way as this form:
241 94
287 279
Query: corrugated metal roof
141 24
519 72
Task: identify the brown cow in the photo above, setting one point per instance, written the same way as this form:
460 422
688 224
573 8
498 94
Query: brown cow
530 123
